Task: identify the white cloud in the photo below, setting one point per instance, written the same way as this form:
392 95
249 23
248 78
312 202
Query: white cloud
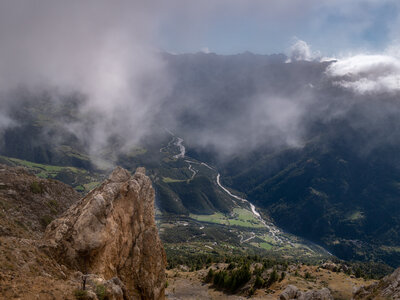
300 50
393 49
205 50
367 73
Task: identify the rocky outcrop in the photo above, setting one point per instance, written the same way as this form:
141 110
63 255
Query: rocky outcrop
96 287
292 292
387 288
112 233
335 267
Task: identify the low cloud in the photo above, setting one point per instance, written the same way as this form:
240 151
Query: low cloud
300 50
103 51
366 74
205 50
107 52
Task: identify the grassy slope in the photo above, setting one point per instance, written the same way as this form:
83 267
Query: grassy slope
82 180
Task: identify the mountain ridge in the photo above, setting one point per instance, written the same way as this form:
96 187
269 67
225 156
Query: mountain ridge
319 165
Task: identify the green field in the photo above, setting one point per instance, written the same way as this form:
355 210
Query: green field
217 218
239 217
355 216
266 246
81 180
245 218
171 180
43 171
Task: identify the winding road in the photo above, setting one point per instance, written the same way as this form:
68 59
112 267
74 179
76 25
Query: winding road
182 150
253 235
191 169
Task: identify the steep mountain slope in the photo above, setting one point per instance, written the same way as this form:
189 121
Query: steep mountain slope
319 159
330 194
28 203
337 185
40 121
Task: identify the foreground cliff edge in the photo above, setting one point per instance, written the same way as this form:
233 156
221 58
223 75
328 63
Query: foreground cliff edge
112 233
104 246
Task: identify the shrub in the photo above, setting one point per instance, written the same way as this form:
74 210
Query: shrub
273 277
101 292
241 277
80 294
53 203
45 220
259 282
308 275
231 280
257 271
283 274
36 188
210 276
358 273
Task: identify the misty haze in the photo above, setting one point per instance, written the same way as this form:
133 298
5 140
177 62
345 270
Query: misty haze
211 150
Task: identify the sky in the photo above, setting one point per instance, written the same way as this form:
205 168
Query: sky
332 27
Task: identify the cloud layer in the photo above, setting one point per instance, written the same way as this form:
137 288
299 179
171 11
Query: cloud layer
109 53
100 49
365 74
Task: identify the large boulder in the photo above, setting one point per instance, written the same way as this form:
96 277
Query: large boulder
292 292
112 233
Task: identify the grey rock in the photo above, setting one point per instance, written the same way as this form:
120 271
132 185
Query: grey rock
387 288
292 292
112 233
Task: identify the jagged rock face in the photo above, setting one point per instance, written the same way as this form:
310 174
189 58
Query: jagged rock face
391 285
112 233
387 288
